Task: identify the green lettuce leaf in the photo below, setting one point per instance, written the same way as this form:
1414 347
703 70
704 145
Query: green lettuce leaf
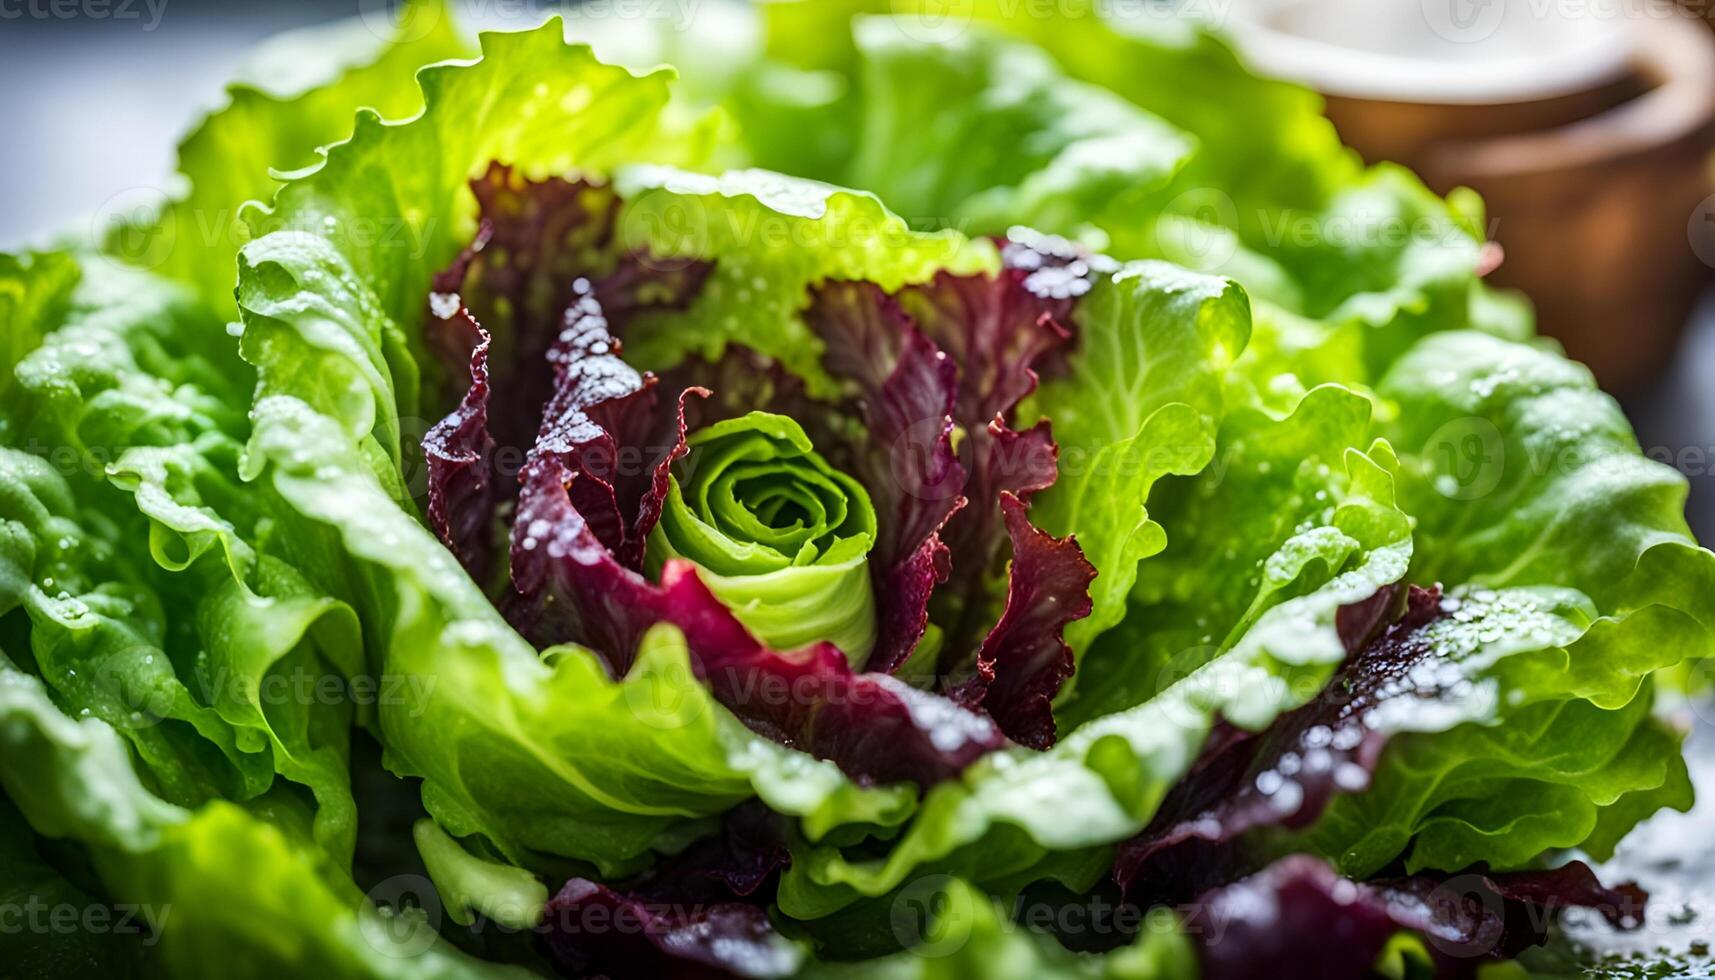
199 649
222 889
978 132
1286 506
1142 400
1579 582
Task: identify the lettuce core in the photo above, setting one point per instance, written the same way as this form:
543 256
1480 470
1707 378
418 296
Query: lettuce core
782 538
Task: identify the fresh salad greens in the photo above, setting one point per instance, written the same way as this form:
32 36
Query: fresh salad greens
948 492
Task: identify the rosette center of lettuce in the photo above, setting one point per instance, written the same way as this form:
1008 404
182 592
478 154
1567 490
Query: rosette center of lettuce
781 537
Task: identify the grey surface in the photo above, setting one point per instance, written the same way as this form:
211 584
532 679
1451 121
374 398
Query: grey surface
94 108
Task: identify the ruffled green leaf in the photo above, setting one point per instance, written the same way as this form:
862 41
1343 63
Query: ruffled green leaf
1142 401
200 657
216 892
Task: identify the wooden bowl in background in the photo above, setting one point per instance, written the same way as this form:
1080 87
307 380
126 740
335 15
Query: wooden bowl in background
1594 156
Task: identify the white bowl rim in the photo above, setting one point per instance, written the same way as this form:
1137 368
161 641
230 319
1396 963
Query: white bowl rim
1353 72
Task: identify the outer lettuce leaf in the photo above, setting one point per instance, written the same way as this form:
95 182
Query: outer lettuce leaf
225 890
1481 696
197 657
1526 481
297 92
1522 472
1523 725
1287 505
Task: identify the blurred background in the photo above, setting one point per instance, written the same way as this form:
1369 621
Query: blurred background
1588 125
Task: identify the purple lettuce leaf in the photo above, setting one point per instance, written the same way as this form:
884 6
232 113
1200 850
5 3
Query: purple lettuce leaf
541 247
697 913
1299 919
534 241
739 861
875 727
995 330
1024 659
999 330
958 353
593 931
905 395
607 426
1286 775
459 454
